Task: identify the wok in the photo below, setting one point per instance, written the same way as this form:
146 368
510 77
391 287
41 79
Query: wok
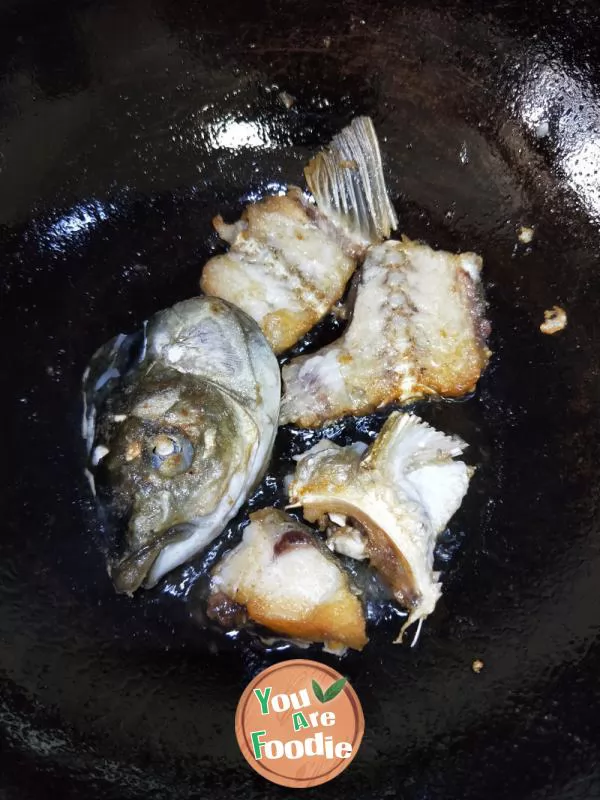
124 127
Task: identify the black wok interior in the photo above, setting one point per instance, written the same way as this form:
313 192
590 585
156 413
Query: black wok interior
124 127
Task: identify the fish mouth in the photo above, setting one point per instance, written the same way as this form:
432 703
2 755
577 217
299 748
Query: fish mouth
135 569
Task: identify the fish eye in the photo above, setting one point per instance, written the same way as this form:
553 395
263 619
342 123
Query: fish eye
171 454
164 445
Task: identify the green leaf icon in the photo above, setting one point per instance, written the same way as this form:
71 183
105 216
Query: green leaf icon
334 689
318 691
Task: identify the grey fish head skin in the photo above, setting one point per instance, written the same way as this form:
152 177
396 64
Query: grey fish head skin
181 444
209 337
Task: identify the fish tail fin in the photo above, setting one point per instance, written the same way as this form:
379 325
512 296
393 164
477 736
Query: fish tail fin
347 181
407 442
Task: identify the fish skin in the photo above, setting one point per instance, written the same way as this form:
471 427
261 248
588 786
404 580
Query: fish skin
398 496
185 422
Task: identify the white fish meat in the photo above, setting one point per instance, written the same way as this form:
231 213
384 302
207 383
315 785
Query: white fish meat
180 421
387 504
291 256
283 577
417 329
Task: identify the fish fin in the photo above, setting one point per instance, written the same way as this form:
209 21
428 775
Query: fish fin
419 458
413 617
418 633
346 179
441 488
407 442
420 611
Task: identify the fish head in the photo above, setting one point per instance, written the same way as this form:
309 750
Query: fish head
179 423
178 463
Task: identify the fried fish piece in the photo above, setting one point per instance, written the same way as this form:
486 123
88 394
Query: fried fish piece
417 329
283 577
291 256
180 421
387 504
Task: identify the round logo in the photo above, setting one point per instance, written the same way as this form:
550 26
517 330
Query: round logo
299 723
